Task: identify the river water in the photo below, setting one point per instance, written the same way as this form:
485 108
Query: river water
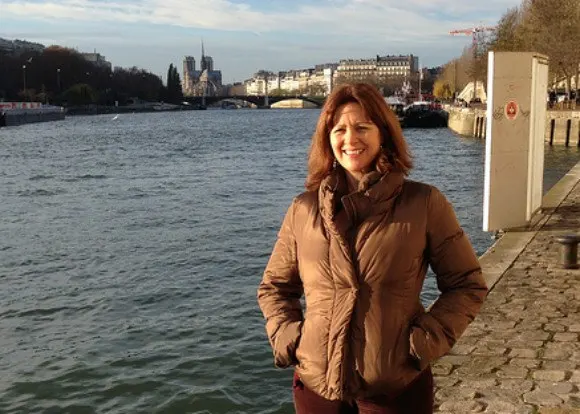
131 250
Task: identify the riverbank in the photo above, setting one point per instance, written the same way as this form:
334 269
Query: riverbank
522 353
19 113
135 108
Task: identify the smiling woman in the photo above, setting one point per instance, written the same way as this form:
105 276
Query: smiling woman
357 245
357 118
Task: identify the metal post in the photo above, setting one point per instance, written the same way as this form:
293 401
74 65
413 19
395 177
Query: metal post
24 79
266 101
420 79
58 79
475 42
569 250
455 93
474 71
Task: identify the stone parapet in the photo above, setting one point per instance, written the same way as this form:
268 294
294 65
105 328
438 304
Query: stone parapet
461 120
562 127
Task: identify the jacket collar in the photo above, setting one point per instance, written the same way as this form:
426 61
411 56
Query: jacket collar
376 194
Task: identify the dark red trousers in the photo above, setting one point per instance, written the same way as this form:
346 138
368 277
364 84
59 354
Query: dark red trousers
416 398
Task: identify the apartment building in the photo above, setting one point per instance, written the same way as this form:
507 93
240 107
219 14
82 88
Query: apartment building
306 82
380 67
321 79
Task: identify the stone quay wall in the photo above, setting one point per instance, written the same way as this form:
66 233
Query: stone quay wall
562 127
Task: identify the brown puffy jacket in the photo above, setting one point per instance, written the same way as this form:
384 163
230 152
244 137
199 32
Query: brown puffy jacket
360 261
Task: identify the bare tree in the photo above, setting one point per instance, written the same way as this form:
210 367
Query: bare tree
442 89
508 33
459 72
555 31
543 26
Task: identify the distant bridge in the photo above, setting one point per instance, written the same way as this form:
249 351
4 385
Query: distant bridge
258 100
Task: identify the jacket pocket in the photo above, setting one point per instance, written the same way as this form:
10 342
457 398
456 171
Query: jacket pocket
286 343
419 348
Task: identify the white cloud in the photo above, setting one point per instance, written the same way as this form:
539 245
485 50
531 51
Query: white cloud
451 7
246 38
389 18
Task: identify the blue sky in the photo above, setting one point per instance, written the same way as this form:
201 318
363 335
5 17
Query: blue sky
244 36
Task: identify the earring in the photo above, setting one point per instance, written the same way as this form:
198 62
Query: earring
334 163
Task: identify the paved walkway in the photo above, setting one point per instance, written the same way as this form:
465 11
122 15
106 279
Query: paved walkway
522 353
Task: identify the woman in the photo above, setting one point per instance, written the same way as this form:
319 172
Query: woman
357 245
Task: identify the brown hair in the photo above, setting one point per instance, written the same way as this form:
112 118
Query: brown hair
394 155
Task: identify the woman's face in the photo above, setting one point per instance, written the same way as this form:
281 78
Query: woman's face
355 139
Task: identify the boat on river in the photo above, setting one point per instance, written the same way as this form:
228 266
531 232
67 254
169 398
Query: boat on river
423 114
18 113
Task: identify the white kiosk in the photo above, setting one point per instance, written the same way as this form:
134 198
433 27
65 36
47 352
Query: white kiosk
514 155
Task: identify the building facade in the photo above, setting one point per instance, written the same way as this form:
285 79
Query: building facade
188 72
395 70
203 82
321 79
379 68
317 81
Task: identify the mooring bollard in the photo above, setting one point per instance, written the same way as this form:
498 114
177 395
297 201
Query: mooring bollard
569 250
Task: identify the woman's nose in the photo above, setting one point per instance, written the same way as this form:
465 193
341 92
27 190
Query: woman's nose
351 135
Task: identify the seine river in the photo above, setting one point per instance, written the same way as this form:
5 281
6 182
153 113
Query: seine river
131 250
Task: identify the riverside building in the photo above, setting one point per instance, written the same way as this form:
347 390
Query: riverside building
380 67
203 82
317 81
320 80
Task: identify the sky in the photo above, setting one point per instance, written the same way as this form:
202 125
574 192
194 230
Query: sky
245 36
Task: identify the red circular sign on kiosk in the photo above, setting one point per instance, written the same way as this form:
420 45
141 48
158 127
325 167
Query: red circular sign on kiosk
511 110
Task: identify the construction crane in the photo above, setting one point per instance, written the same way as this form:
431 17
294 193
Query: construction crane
474 32
477 34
